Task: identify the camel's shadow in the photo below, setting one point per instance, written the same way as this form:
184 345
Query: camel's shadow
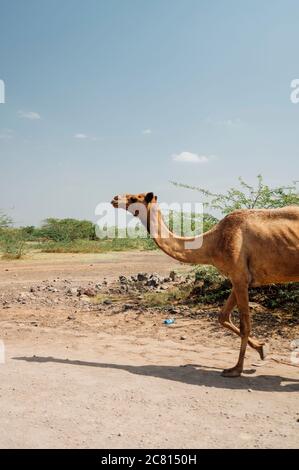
192 374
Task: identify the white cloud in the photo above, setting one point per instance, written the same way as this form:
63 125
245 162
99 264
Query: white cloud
80 136
190 157
233 122
6 134
147 131
29 115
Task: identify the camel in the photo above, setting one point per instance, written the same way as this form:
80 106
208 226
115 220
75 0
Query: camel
251 247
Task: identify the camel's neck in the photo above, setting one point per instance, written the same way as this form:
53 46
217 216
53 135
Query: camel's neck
195 250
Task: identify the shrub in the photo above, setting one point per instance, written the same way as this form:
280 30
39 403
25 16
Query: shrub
211 287
5 220
12 244
66 230
248 197
97 246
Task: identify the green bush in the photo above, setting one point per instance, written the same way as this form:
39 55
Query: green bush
97 246
12 244
5 220
212 288
246 196
67 230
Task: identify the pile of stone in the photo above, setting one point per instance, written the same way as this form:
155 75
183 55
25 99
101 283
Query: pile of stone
67 294
147 281
52 292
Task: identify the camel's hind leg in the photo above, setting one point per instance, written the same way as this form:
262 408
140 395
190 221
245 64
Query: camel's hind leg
241 293
225 320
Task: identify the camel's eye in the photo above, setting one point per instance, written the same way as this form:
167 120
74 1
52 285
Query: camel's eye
133 199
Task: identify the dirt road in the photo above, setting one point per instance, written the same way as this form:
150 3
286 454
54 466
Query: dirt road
96 381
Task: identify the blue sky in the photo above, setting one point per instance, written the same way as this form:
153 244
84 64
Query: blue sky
106 97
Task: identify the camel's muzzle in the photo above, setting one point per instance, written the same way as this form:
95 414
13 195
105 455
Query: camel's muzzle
114 201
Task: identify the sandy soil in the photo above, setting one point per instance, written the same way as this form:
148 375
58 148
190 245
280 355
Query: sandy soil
111 378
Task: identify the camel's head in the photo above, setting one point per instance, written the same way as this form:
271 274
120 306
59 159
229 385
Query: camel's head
133 202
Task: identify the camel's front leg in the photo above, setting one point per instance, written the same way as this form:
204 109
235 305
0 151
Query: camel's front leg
225 320
241 294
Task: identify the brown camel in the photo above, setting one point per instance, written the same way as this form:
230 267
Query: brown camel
251 247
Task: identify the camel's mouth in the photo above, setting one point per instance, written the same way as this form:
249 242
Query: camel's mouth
119 203
114 203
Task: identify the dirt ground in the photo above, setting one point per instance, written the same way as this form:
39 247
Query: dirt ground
78 374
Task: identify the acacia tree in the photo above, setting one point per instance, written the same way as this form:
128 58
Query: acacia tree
66 230
5 220
248 197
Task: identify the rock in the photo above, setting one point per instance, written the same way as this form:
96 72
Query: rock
163 287
173 310
123 279
107 302
23 297
183 338
173 275
72 291
89 292
154 280
142 277
128 306
52 289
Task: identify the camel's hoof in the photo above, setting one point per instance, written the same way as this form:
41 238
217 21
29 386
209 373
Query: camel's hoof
233 372
263 351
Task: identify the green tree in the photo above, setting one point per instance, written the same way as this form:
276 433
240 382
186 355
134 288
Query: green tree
28 232
5 220
248 197
66 230
186 224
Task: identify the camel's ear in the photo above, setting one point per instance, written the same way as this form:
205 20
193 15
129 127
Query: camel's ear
149 197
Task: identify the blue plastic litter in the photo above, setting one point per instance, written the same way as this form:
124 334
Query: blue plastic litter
169 321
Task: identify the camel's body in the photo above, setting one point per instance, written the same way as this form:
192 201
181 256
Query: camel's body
251 247
261 245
